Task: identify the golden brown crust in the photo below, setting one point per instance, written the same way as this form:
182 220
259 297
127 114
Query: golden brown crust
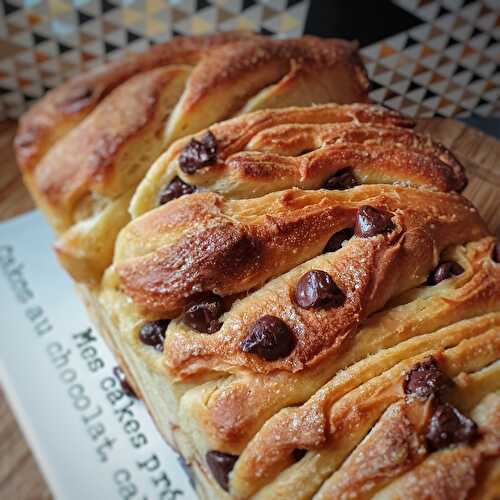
258 225
208 242
394 445
86 160
228 247
247 67
270 151
88 143
52 117
222 69
449 474
335 427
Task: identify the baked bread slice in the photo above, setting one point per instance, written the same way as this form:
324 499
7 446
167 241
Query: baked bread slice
86 145
319 295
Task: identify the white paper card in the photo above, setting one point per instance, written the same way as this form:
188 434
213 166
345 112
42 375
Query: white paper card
90 440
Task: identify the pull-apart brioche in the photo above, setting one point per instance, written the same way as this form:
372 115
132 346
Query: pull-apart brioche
283 325
301 296
86 145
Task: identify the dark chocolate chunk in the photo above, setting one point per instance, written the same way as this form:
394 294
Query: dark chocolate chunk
221 464
298 454
203 311
124 383
340 180
425 379
175 189
198 153
370 222
335 242
448 426
444 271
270 338
317 289
153 333
496 253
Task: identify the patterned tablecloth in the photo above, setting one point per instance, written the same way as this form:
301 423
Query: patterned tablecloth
424 57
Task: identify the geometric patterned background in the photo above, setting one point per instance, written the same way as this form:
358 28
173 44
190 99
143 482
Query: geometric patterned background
450 64
446 62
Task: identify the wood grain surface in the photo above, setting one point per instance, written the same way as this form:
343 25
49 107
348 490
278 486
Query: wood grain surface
20 478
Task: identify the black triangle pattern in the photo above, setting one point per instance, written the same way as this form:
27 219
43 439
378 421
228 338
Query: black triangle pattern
132 37
463 74
247 4
106 6
9 8
265 31
410 42
63 47
442 11
83 17
38 39
109 47
202 4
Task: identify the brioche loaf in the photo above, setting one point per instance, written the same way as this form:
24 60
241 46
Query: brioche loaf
302 298
318 308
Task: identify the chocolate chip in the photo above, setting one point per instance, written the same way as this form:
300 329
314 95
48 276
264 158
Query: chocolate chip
298 454
335 242
221 464
124 383
198 153
340 180
370 222
203 313
175 189
496 253
444 271
153 333
317 289
270 338
448 426
425 379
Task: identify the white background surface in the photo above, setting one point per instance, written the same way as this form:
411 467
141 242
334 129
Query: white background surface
70 408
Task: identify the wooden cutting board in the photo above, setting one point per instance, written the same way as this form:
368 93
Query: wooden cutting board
479 153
